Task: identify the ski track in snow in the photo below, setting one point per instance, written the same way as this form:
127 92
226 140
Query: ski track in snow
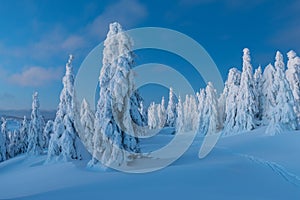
278 169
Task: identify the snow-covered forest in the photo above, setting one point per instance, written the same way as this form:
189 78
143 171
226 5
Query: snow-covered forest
264 96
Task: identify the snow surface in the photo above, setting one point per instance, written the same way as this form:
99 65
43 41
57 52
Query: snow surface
246 166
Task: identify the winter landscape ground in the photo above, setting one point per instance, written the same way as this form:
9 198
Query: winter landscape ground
246 166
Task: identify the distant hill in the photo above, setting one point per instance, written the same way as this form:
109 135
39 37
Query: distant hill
19 114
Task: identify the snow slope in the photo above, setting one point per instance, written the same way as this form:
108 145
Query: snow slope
245 166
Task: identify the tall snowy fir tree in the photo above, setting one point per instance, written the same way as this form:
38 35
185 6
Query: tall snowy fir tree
36 126
293 77
268 93
180 117
200 109
210 113
24 135
87 118
161 110
3 147
153 121
48 131
171 110
246 105
64 142
230 95
282 114
258 84
117 108
5 133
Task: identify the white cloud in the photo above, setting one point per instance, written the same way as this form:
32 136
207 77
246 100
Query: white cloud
36 76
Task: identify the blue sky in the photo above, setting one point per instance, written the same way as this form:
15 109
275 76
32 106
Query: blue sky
37 36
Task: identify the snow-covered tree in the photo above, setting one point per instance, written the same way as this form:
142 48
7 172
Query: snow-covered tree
152 116
14 147
200 109
268 93
117 108
3 155
171 109
187 114
5 133
64 142
36 126
180 117
161 111
258 85
229 95
293 77
24 135
87 118
246 105
210 114
143 112
283 115
48 131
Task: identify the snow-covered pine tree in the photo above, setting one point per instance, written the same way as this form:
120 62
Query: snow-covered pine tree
186 115
246 105
36 126
293 77
283 116
87 118
48 131
258 85
171 110
200 109
117 107
152 116
180 117
64 142
229 95
3 155
161 110
143 111
268 94
24 135
210 115
14 147
5 133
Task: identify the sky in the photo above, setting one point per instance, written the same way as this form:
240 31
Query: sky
36 37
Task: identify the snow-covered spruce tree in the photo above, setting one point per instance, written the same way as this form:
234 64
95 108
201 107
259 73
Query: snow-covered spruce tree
180 117
36 126
229 95
87 118
3 155
48 131
24 135
152 116
171 109
210 114
64 142
268 94
293 77
200 109
143 111
246 105
191 114
14 147
161 111
5 133
117 107
283 116
258 84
